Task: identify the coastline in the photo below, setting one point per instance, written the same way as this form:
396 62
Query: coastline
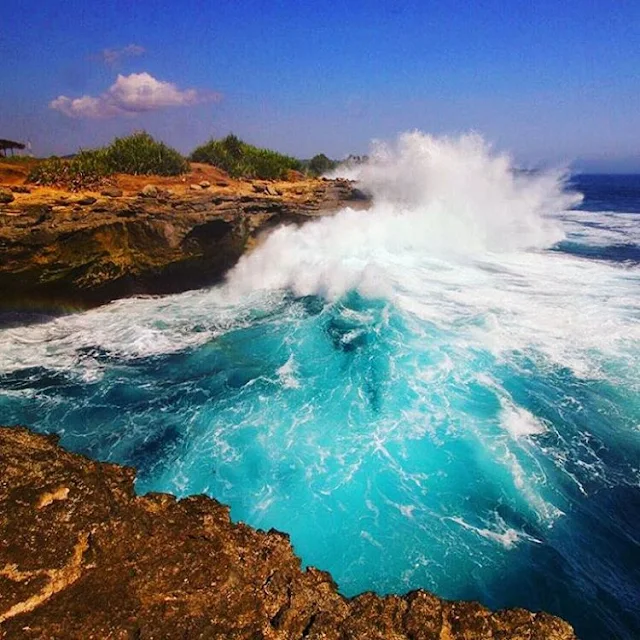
62 251
80 536
86 557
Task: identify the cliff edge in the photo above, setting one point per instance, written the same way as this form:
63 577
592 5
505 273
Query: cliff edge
81 556
61 250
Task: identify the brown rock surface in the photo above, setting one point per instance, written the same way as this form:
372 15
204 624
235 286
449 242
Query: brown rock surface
6 195
54 253
82 556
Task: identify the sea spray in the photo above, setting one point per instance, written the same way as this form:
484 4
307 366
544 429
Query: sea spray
442 197
432 393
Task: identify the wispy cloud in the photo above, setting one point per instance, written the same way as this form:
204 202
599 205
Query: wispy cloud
132 94
113 56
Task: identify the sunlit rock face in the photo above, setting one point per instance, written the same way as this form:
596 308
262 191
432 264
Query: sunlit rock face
88 558
63 251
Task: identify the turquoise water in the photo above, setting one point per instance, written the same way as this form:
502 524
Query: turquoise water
465 424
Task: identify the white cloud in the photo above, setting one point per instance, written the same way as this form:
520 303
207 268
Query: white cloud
135 93
113 56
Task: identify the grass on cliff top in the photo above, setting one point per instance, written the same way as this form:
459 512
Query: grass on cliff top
137 154
242 160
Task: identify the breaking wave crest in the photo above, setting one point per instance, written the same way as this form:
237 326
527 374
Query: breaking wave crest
442 197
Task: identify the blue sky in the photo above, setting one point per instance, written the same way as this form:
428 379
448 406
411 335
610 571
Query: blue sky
549 81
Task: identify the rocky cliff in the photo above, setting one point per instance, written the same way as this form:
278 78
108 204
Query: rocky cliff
82 556
60 250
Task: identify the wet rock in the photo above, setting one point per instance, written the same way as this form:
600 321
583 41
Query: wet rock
87 558
205 184
195 187
358 194
20 188
6 196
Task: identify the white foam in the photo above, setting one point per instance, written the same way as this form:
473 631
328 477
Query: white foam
286 374
130 328
434 196
519 422
503 535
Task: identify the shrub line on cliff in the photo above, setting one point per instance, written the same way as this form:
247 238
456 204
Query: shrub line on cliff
137 154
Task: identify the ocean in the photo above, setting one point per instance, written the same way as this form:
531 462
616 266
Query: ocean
442 392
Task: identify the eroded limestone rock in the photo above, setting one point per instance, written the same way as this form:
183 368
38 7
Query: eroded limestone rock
84 557
82 256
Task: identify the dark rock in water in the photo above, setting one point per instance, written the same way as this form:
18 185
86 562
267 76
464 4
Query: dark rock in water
84 557
20 188
6 196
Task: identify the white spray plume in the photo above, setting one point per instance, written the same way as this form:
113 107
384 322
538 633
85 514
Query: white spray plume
438 196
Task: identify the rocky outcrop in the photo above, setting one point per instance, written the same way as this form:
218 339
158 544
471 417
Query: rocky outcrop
68 250
83 557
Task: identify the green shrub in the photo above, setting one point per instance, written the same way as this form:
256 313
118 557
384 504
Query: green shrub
320 164
16 159
137 154
86 170
242 160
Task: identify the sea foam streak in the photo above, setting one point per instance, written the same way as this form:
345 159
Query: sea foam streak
431 377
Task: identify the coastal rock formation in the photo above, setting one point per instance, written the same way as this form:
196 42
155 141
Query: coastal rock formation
83 557
62 251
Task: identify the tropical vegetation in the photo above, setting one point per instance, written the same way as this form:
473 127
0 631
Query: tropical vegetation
137 154
242 160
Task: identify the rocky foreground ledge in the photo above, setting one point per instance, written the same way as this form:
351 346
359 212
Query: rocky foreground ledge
61 250
81 556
